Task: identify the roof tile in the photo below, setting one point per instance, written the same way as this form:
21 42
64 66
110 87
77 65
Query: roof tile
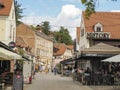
109 20
5 11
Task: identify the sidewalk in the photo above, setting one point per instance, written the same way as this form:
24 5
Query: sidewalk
91 87
8 88
62 84
105 87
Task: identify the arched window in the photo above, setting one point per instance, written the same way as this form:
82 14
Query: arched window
98 27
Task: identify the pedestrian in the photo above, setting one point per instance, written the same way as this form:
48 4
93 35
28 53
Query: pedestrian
55 70
40 68
74 74
87 76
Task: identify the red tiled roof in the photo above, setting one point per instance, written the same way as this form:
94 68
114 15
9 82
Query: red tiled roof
27 34
109 20
61 47
70 46
20 42
5 11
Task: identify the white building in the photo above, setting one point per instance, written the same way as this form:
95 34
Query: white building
7 21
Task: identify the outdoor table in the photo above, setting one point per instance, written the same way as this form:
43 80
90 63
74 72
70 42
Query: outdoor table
2 83
116 83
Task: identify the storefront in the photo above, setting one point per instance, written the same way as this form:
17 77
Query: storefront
92 57
8 59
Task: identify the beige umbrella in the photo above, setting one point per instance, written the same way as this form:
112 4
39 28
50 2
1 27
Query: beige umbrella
115 58
8 55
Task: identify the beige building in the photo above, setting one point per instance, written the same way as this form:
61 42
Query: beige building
43 47
7 21
62 52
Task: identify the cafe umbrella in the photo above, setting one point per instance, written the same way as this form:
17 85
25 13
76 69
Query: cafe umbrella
8 55
115 58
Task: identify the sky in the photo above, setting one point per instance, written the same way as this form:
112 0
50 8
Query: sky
66 13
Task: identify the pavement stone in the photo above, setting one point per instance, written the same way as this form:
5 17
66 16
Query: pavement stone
49 81
105 87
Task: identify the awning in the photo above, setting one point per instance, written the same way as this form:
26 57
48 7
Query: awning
115 58
8 55
70 60
101 49
3 56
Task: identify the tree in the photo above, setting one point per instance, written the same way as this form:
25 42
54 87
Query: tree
63 36
18 12
90 6
45 26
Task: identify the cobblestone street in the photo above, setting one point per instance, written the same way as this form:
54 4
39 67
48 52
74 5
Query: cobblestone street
49 81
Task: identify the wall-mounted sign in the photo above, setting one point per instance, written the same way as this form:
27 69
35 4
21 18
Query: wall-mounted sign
12 44
98 35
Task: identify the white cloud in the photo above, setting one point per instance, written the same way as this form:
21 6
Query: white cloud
34 20
115 11
73 1
69 17
69 11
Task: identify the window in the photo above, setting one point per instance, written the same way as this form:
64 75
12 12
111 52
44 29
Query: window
13 14
82 32
10 36
1 6
98 27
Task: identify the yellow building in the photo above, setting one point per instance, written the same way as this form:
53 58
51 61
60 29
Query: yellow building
44 47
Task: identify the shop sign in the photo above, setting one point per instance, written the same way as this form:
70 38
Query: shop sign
98 35
12 44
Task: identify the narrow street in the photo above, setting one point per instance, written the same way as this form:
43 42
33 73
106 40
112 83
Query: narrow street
49 81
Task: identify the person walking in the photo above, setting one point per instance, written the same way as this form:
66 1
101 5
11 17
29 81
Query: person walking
55 70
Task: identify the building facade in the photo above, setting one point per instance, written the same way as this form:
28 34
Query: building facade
100 30
43 47
7 21
26 33
7 30
101 26
62 52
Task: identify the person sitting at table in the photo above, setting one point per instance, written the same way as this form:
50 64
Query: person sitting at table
4 74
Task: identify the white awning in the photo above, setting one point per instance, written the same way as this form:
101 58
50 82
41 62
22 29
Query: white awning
115 58
8 55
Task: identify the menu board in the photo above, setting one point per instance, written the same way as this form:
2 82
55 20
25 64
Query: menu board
18 82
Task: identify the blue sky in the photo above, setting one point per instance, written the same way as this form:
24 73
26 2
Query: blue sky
61 12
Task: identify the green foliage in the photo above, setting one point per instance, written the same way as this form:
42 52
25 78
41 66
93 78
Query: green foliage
63 36
34 27
45 26
90 6
21 51
18 12
83 1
